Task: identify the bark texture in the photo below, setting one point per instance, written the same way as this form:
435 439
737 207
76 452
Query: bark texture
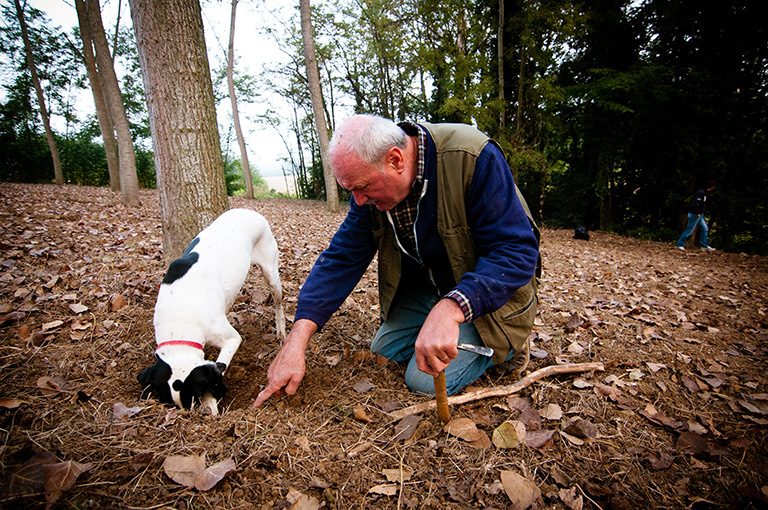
129 181
182 117
57 171
313 75
106 125
233 99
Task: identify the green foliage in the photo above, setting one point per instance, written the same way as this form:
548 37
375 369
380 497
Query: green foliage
233 176
611 112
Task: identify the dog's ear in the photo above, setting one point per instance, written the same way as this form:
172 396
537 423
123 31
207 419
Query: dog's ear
205 378
154 379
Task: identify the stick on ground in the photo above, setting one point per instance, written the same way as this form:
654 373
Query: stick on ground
502 391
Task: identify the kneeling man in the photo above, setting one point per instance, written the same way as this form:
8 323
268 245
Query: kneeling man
457 248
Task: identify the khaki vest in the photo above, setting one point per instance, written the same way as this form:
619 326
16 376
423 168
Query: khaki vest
458 147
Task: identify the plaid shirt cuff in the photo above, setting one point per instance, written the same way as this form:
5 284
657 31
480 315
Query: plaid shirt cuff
464 303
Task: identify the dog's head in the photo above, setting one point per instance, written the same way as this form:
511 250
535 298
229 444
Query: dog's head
183 385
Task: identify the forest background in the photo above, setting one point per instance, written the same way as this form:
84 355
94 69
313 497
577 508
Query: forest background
611 113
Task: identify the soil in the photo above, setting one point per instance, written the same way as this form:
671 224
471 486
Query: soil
677 418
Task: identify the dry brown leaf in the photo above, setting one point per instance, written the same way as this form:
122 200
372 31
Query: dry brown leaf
522 492
560 476
301 501
652 414
571 498
10 403
24 331
60 477
363 385
52 325
662 461
581 428
184 469
538 438
572 439
463 428
117 302
52 386
28 479
361 415
405 428
387 489
120 411
509 434
552 412
78 308
483 442
214 474
398 475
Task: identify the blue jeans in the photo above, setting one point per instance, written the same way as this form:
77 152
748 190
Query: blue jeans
694 221
396 340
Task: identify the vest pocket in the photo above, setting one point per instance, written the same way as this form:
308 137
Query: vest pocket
460 248
521 301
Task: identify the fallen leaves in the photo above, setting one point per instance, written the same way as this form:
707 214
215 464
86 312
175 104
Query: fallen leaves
522 492
466 429
509 434
44 474
190 471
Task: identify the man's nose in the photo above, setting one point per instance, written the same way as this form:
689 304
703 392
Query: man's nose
360 197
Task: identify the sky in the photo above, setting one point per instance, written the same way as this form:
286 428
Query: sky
266 149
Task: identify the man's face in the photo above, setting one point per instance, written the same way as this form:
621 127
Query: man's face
384 185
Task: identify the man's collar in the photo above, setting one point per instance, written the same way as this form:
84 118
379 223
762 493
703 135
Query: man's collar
418 132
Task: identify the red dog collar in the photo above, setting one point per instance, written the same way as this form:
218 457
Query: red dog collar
188 343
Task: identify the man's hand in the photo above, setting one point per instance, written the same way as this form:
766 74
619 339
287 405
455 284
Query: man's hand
287 370
436 343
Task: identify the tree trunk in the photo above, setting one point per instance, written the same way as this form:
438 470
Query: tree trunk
102 112
313 75
500 61
233 98
182 117
57 172
129 182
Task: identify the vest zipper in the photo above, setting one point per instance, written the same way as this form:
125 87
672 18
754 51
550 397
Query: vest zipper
417 258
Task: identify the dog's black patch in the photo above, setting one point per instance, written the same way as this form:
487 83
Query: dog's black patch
180 266
154 379
581 232
205 378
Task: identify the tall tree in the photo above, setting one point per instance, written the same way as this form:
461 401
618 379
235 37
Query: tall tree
182 113
313 75
106 126
129 182
233 99
57 172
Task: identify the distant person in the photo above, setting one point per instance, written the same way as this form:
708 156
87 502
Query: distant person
458 254
696 209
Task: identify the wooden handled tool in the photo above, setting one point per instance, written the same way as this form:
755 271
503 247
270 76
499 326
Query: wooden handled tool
441 395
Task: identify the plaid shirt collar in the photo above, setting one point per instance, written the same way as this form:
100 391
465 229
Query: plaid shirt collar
404 214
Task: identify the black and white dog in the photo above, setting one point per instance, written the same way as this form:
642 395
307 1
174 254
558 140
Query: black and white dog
192 304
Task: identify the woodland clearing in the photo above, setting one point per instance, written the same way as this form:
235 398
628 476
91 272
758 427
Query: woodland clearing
678 418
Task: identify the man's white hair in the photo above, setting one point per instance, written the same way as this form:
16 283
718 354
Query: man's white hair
367 136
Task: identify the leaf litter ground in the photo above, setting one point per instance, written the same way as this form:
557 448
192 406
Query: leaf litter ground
677 420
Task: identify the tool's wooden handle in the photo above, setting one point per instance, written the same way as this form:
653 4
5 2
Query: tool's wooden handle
441 395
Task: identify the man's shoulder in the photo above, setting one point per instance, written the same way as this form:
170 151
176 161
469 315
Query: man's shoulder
452 137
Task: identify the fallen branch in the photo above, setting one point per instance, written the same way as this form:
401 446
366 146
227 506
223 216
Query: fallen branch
502 391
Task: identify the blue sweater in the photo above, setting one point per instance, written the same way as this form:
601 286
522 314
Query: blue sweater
505 243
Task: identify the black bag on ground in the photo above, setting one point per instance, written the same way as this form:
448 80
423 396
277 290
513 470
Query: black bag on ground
581 232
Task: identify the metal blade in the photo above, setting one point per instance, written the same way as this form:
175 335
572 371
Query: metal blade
477 349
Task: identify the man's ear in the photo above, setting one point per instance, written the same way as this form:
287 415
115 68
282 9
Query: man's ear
396 159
